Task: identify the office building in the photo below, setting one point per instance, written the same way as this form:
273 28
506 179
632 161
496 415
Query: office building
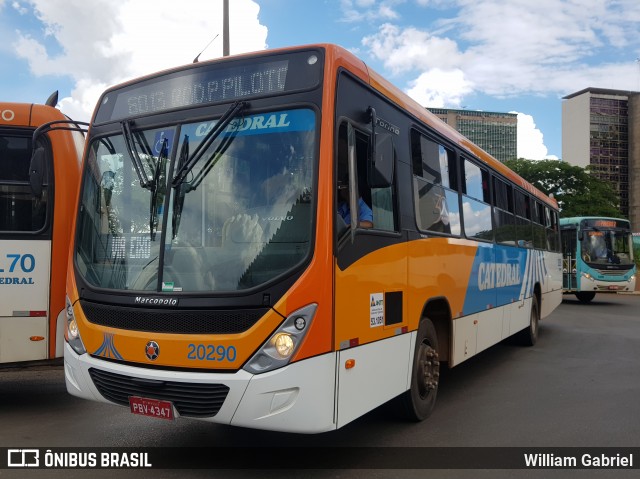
496 133
601 129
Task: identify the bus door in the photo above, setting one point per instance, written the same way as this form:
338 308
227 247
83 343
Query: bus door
25 252
569 252
370 273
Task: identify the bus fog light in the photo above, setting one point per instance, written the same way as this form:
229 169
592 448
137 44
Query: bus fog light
284 345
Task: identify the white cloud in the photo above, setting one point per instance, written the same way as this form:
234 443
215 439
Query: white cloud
530 139
504 49
367 10
510 48
103 42
410 49
19 8
439 89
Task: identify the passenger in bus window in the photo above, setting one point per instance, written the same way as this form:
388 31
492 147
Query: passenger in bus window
365 215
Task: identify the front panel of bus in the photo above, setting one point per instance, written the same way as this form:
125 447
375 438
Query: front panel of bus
598 255
195 234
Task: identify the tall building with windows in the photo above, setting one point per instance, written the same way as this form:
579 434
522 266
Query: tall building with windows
496 133
601 129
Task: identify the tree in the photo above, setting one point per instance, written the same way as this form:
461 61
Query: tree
576 190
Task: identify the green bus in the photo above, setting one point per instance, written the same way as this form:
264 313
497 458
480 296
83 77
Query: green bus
597 256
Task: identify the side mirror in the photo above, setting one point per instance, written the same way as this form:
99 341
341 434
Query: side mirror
580 235
36 172
381 165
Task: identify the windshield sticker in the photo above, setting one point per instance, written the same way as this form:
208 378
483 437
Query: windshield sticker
159 140
170 287
279 122
376 309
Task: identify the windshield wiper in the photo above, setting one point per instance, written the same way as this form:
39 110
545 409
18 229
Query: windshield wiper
149 182
145 182
153 207
181 189
211 136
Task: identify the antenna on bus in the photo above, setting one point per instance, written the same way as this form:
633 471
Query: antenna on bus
52 100
195 60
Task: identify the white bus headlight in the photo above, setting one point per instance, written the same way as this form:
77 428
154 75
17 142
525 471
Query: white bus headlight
278 350
72 335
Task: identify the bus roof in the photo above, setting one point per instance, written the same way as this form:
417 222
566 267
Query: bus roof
339 55
28 114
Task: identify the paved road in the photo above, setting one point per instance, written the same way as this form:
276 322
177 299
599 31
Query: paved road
579 386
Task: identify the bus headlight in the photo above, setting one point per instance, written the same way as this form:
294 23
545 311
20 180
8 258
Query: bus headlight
72 335
587 276
284 345
278 350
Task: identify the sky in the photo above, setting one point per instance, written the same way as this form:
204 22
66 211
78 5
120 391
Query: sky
518 56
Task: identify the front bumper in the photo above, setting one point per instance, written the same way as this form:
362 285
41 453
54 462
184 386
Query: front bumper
297 398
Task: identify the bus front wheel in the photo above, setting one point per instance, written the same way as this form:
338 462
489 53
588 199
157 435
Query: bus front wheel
420 399
585 296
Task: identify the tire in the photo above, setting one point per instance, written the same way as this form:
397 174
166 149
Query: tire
529 335
420 399
585 296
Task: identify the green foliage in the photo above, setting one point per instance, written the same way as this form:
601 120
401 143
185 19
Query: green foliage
578 192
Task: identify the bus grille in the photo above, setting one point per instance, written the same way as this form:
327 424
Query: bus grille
172 321
611 272
189 399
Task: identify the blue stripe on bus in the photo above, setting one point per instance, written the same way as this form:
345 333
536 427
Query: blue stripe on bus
501 275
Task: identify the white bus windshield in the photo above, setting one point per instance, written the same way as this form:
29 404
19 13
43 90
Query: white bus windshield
238 219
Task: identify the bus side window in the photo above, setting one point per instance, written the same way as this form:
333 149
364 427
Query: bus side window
20 210
365 214
476 201
504 219
382 205
435 186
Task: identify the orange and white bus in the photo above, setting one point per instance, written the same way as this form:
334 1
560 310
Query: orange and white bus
212 276
37 196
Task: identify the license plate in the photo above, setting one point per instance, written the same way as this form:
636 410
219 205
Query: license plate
614 288
151 407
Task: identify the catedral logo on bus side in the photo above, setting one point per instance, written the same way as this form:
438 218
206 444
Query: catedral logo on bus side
498 275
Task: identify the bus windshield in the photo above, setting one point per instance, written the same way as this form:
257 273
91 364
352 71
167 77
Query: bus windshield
601 246
237 218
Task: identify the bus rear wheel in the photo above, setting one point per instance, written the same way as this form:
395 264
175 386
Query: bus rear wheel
585 296
420 399
529 335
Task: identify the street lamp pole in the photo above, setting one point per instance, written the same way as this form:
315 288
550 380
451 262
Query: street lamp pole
225 28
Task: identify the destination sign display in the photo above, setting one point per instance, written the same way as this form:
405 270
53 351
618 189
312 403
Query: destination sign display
605 223
211 83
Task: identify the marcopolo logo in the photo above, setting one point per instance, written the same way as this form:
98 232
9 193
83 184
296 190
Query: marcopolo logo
156 301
